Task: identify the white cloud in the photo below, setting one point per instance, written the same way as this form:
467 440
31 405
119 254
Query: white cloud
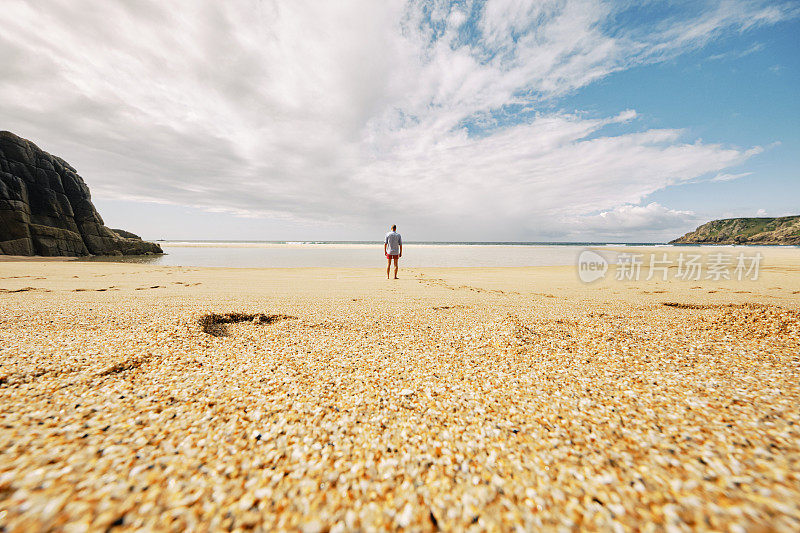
632 219
353 110
737 54
730 177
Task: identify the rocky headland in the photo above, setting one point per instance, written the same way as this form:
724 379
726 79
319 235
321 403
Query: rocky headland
46 208
766 231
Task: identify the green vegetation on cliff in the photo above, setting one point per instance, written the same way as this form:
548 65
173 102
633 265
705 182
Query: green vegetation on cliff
782 230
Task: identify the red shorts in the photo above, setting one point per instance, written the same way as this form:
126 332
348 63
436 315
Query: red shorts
390 256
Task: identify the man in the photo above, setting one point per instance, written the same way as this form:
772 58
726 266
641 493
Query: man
393 248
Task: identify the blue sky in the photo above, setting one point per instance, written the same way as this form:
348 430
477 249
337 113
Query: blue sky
469 120
740 90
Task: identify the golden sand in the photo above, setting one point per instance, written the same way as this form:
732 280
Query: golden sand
486 399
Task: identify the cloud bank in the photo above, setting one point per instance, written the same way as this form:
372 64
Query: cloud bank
349 112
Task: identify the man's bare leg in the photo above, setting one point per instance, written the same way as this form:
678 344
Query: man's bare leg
395 267
388 265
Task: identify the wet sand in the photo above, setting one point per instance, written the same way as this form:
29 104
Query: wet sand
334 400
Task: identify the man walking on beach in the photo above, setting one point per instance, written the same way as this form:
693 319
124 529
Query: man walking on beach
393 248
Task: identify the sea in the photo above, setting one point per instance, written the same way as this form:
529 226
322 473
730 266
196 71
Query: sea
365 254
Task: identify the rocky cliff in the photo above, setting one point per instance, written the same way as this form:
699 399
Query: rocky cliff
46 208
782 230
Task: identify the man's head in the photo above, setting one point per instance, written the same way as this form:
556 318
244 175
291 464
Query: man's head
394 227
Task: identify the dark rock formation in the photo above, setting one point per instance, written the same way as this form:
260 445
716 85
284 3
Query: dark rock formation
125 234
767 231
46 208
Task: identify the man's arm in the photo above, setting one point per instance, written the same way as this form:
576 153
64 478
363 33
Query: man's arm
401 248
385 244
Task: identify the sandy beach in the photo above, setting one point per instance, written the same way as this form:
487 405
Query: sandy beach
140 396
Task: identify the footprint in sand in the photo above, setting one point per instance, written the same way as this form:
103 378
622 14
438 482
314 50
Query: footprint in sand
216 323
25 289
679 305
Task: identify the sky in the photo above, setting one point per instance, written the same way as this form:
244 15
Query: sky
496 120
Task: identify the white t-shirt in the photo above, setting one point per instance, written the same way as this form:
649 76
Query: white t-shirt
393 241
